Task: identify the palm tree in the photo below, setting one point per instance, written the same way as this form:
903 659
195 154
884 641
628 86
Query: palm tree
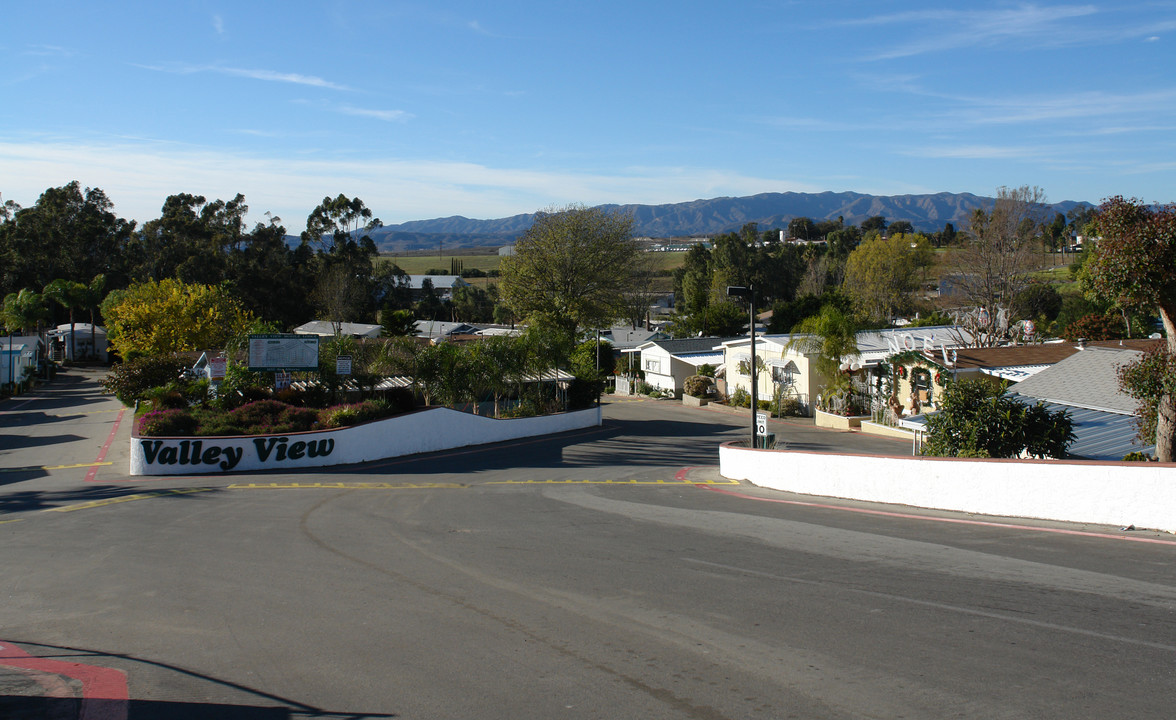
20 311
69 294
832 336
90 298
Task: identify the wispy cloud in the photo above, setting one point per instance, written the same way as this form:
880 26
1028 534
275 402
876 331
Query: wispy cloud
946 29
1035 109
48 51
139 175
251 73
974 152
218 24
385 115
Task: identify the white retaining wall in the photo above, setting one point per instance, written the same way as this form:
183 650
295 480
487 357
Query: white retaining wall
1110 493
418 432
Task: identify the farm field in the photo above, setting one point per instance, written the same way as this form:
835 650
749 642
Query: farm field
661 262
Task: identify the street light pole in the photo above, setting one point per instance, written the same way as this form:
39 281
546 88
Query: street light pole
749 293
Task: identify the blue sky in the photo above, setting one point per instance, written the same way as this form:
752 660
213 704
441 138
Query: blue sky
490 109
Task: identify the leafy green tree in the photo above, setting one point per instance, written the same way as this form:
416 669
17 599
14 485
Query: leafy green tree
1038 301
473 304
191 239
157 318
572 269
397 323
977 419
1134 266
881 275
69 233
903 227
842 241
338 232
271 279
803 228
877 222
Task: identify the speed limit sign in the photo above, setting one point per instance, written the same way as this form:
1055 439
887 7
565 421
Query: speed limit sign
761 423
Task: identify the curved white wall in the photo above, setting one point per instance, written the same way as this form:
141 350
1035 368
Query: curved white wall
423 431
1111 493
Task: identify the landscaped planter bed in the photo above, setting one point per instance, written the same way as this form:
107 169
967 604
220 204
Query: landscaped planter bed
407 434
838 422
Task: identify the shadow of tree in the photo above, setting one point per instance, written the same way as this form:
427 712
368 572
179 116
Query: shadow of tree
39 500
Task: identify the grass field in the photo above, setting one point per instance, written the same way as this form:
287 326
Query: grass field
421 264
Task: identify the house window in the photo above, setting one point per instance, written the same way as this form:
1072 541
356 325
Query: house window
653 365
784 374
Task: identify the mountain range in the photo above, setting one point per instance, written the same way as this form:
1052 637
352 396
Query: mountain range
709 217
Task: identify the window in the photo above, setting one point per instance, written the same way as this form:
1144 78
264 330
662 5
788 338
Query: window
653 365
785 374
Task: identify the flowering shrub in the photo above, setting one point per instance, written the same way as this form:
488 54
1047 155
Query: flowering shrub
167 422
261 417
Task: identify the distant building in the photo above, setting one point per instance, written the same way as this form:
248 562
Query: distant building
444 285
326 328
89 342
506 251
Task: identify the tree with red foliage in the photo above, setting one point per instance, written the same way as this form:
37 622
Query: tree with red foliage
1134 266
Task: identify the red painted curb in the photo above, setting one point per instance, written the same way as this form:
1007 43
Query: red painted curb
105 447
98 683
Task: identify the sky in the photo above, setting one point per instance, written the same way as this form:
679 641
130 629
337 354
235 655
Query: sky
488 110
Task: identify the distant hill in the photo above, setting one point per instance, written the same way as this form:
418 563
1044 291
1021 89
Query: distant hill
708 217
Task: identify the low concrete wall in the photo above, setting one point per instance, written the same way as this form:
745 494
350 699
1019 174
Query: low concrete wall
1110 493
418 432
837 422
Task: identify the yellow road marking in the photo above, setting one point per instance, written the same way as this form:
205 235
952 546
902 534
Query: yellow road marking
11 521
53 467
126 498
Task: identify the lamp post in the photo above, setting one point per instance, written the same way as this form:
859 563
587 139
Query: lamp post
749 293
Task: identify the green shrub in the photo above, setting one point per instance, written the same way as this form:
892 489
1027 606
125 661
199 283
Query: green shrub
697 385
1137 457
344 415
740 398
790 407
166 398
167 423
130 380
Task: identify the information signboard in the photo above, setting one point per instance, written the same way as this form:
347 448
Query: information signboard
216 369
343 365
268 353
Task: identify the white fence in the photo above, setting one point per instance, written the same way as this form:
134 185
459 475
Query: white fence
418 432
1111 493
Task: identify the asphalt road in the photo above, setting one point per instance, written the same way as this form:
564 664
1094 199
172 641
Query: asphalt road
603 574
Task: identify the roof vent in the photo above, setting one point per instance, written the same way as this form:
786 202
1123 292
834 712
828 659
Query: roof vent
1081 343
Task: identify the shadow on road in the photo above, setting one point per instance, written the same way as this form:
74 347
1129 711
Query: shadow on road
35 500
625 443
16 442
